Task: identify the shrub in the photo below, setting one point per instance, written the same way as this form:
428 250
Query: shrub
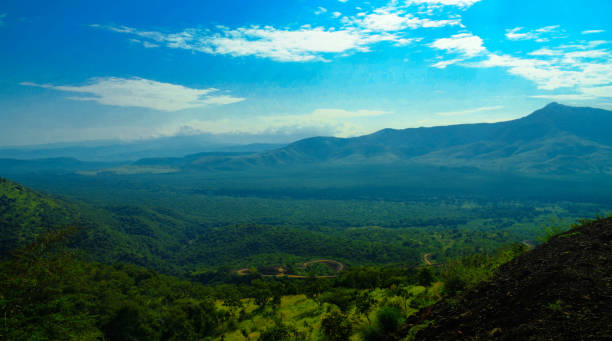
388 319
336 326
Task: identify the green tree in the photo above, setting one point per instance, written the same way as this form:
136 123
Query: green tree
336 326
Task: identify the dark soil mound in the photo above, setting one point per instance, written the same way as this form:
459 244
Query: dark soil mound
561 290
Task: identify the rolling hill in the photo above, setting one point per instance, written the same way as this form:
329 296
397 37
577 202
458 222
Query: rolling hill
556 139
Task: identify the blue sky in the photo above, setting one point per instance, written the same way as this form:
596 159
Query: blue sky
271 71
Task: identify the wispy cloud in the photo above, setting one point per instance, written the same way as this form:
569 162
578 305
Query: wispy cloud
320 10
337 122
144 93
359 33
390 19
545 52
584 68
588 93
593 31
469 111
2 18
304 44
542 34
551 74
465 45
457 3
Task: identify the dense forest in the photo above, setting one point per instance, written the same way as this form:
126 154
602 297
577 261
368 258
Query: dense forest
80 270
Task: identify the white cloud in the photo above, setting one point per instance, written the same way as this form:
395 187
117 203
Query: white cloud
337 122
542 34
576 67
565 97
466 45
389 20
148 45
545 52
593 31
320 10
589 93
458 3
356 33
343 0
600 91
304 44
144 93
444 63
469 111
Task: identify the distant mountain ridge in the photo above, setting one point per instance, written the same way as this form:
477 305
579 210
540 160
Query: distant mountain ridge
555 139
123 151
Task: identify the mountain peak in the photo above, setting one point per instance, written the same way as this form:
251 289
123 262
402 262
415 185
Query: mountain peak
553 105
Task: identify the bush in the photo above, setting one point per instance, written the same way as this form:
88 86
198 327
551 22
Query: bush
336 326
279 332
388 319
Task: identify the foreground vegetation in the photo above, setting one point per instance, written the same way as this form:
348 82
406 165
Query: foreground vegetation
48 292
144 268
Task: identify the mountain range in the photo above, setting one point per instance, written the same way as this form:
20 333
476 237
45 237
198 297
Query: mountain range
556 139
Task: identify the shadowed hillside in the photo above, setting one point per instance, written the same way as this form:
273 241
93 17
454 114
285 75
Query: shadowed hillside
554 139
561 290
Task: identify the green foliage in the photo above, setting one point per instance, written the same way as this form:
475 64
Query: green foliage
342 298
47 293
555 306
336 326
364 304
551 230
278 332
50 289
464 272
388 319
425 276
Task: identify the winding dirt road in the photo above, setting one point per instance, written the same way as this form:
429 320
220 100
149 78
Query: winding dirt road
337 266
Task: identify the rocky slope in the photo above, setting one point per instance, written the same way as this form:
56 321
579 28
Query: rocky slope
562 290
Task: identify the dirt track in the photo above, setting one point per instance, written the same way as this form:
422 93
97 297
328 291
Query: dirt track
426 259
338 267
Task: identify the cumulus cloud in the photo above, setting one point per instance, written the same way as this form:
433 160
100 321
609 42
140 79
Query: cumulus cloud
143 93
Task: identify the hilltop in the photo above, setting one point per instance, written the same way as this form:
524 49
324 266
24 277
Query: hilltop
556 139
561 290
